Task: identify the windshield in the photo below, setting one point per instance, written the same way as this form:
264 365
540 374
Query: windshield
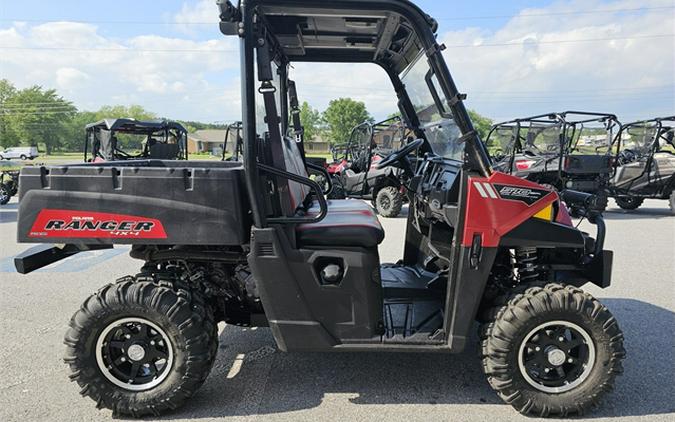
500 142
440 129
591 138
540 139
639 138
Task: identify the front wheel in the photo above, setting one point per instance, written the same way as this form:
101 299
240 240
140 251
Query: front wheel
389 201
23 157
629 202
552 350
4 195
142 345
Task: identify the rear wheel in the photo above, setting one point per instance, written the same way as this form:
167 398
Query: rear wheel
389 201
629 202
23 157
142 345
552 350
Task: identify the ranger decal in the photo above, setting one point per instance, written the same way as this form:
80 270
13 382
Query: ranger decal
520 193
89 224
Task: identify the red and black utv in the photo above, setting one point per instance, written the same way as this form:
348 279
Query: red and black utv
645 163
257 244
355 171
569 150
131 139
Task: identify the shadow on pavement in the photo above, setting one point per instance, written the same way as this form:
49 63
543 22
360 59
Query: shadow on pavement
8 212
266 381
639 214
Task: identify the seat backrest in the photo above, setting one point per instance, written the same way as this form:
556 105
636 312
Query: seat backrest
292 194
162 151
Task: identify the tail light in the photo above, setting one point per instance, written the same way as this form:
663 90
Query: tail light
524 164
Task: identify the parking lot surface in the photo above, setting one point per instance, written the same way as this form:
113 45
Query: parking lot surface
252 380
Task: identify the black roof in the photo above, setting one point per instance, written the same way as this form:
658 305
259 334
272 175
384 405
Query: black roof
136 126
380 31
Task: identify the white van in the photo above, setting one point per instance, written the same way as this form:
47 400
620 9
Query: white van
24 153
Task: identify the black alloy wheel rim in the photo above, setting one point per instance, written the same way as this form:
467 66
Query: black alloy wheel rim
556 356
134 353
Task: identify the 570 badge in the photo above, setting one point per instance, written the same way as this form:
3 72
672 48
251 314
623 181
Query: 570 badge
89 224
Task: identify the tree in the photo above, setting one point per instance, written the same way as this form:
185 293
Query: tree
311 120
36 116
342 115
7 91
482 124
121 112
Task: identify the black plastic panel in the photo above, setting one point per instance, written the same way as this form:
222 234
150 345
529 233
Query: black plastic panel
196 203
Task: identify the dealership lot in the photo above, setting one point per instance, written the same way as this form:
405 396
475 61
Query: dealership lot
252 380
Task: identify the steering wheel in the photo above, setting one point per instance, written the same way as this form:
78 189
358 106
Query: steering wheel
401 155
626 156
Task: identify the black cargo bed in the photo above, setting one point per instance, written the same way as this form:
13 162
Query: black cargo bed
135 202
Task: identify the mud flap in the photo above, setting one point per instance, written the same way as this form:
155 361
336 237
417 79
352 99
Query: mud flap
599 270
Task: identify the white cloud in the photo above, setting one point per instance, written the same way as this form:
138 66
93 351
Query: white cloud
69 78
541 74
194 17
183 76
92 69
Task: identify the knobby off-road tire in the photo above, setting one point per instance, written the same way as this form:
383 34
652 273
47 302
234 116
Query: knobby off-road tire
5 195
629 202
389 201
177 321
507 342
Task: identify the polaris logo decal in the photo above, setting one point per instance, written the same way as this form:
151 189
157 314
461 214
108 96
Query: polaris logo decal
520 193
510 193
88 224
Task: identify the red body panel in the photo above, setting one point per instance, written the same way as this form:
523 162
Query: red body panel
88 224
337 167
491 216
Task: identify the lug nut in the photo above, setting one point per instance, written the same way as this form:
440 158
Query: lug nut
561 339
547 370
152 342
128 336
537 348
570 360
123 359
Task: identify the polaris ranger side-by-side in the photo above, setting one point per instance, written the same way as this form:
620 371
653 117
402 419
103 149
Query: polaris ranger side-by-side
256 243
570 150
355 170
131 139
645 163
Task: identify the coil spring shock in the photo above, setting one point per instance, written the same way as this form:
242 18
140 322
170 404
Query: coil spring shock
527 264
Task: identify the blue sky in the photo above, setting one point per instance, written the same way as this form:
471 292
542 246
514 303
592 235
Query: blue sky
603 55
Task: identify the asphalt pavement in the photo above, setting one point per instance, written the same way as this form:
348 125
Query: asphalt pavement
253 381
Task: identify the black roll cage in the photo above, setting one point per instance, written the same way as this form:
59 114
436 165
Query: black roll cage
571 126
661 129
136 127
254 32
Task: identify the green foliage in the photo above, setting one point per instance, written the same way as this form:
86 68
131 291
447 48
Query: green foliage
7 90
195 126
342 115
311 121
37 116
482 124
